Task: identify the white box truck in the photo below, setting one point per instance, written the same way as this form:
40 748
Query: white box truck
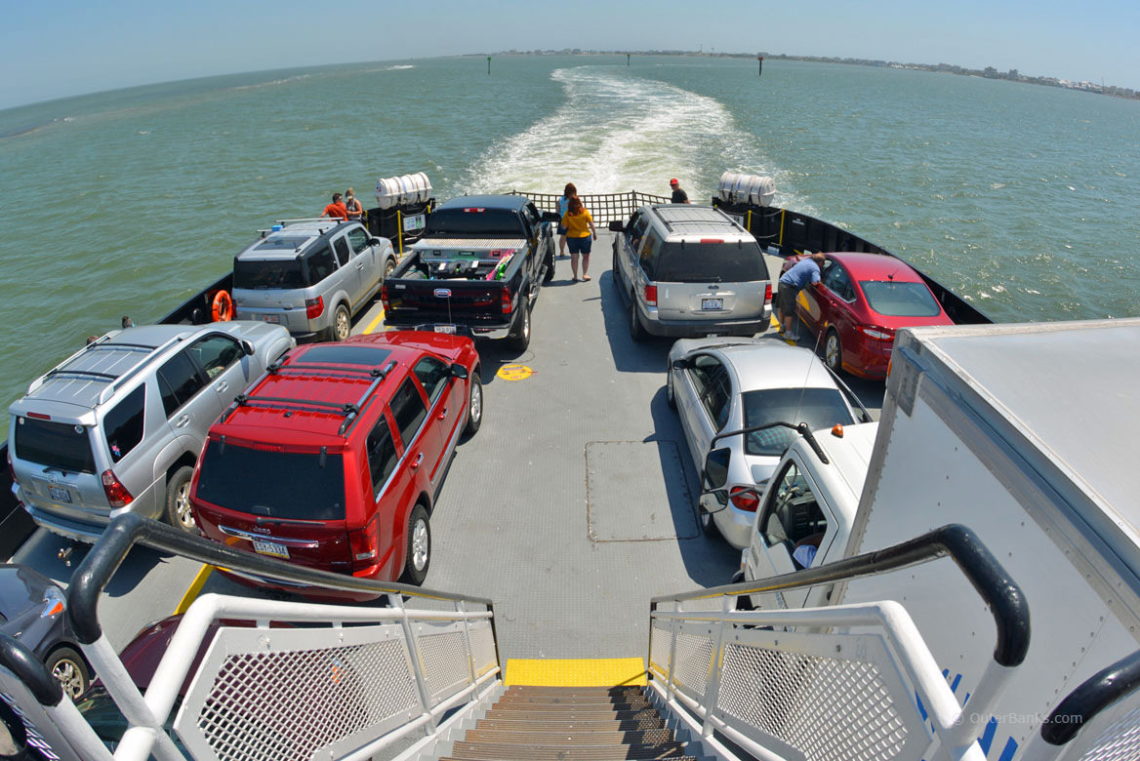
1021 433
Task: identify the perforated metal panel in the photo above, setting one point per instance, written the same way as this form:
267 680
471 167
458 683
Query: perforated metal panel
662 640
279 695
443 653
483 647
691 662
1120 741
817 700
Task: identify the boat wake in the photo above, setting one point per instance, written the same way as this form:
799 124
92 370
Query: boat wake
617 132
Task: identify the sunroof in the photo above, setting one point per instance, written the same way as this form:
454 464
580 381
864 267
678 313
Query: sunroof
346 354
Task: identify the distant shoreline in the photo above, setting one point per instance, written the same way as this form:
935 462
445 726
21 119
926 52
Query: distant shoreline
1013 75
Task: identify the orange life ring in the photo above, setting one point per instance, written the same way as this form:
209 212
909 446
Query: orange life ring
222 307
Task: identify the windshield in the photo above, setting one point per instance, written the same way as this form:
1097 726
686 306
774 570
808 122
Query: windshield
492 222
265 275
818 407
272 483
900 299
57 445
710 262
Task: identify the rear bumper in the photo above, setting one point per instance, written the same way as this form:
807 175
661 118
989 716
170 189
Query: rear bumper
80 531
493 331
698 328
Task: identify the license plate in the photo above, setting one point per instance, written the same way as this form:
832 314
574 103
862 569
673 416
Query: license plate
270 548
59 494
275 319
711 304
449 329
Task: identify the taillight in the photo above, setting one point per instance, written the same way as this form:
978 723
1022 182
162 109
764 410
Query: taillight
314 307
117 494
505 301
384 298
363 545
744 498
877 333
651 295
767 294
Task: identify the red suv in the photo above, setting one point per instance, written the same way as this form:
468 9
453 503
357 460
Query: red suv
333 458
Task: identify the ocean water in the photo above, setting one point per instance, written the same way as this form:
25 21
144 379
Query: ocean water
1021 198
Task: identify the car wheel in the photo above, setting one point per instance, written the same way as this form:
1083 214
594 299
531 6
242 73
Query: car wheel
708 523
615 268
419 547
474 405
389 268
636 329
670 397
833 351
70 670
549 274
178 511
342 323
520 339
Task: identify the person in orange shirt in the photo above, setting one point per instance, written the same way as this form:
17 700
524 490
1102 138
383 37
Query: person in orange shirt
580 234
336 209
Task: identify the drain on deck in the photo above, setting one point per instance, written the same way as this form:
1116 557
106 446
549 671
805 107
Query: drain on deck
637 492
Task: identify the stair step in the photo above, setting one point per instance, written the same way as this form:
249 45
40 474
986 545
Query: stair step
567 714
514 752
579 725
533 705
544 736
574 691
573 699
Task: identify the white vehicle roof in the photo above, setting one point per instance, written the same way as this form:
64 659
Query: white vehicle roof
764 363
850 456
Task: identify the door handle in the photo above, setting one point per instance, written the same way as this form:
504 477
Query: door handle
182 422
419 459
443 413
222 386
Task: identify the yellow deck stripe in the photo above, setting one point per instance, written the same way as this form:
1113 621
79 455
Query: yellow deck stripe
575 672
194 589
372 325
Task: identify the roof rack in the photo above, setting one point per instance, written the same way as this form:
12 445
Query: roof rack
103 344
350 411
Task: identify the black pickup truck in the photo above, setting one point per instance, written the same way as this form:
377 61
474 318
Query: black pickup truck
477 268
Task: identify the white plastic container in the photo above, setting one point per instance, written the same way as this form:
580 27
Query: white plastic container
405 190
746 188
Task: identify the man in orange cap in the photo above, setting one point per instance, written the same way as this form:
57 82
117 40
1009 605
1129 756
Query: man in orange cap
679 195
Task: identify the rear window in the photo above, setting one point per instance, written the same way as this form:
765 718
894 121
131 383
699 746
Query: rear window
281 243
123 424
268 275
494 222
900 299
740 262
818 407
274 484
57 445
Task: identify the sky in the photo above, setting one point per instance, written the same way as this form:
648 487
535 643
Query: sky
72 47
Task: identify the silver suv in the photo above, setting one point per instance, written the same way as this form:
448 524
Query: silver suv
690 271
118 425
311 276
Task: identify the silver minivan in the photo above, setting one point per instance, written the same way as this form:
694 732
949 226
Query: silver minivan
690 271
311 276
117 426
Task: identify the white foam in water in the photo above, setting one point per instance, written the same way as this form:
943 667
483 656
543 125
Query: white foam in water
617 133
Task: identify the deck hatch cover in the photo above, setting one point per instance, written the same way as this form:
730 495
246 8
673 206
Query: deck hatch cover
636 491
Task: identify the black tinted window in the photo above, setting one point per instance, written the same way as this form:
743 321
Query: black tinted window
123 424
268 275
342 253
710 262
58 445
305 486
476 221
178 380
433 376
358 239
320 265
215 354
382 455
711 379
818 407
409 411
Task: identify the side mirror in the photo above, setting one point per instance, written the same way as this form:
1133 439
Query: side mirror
247 347
715 474
616 226
551 216
680 364
458 371
374 241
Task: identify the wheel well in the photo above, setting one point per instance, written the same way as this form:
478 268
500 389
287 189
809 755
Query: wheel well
186 459
73 646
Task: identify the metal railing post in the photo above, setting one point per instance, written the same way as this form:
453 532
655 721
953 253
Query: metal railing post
715 668
674 625
461 608
400 231
417 664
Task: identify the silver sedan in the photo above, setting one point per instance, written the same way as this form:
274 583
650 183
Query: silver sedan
719 385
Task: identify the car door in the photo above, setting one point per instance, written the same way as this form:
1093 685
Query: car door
831 304
219 357
631 241
351 271
393 492
421 440
445 398
191 405
705 408
369 257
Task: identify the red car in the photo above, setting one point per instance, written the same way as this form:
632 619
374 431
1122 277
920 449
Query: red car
332 460
862 300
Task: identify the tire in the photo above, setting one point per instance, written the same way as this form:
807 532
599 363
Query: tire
418 559
389 268
636 330
615 268
178 512
520 339
708 523
833 351
69 668
549 274
341 327
670 397
474 405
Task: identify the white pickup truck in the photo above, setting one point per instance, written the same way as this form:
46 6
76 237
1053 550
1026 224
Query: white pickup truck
1020 433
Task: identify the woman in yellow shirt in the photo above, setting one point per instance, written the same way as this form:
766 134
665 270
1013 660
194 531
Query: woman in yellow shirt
580 234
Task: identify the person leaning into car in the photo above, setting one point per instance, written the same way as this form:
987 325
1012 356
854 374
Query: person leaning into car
803 273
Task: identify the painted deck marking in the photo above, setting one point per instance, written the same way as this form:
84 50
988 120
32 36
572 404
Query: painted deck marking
194 589
372 325
575 672
514 372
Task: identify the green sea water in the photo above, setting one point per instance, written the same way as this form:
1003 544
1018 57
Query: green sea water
1021 198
